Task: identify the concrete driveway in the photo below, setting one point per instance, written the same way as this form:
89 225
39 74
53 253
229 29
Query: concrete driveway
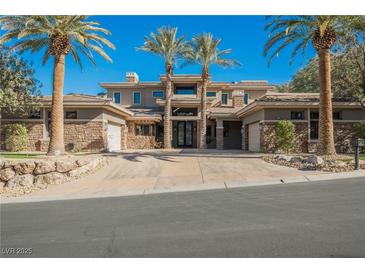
154 171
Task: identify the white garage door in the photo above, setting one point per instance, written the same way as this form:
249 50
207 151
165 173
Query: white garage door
114 137
254 137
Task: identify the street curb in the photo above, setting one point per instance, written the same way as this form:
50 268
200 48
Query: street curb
201 187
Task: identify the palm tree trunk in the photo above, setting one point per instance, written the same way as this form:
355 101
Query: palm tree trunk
167 118
203 129
56 144
326 144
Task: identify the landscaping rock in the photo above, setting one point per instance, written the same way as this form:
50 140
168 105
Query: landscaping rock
65 165
1 164
2 185
6 174
52 178
24 168
284 158
21 180
315 160
43 167
297 159
82 162
85 169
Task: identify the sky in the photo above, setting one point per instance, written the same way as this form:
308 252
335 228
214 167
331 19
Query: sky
245 35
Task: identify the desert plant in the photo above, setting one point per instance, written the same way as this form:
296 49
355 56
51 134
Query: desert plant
16 137
284 136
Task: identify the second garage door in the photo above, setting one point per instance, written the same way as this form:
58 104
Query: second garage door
254 137
114 137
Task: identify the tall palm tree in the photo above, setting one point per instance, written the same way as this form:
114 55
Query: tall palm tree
203 50
58 36
167 45
321 31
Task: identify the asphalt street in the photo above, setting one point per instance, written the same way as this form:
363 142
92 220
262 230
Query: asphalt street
322 219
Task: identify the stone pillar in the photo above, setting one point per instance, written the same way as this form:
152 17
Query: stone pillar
243 134
124 135
219 134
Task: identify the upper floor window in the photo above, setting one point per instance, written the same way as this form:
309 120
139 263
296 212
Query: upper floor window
185 90
71 115
136 98
211 94
224 98
297 115
246 97
117 97
157 94
184 112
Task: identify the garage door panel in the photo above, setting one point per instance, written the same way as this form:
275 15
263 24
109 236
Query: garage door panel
254 137
114 137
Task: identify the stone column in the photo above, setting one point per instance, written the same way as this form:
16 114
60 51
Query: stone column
124 134
243 134
219 134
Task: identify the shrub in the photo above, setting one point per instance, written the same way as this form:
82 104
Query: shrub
16 137
284 136
359 130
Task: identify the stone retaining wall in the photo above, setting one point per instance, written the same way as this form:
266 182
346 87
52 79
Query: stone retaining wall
21 177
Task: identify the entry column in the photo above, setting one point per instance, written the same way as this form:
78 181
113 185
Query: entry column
219 134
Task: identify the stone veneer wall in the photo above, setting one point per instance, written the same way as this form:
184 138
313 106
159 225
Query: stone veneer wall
79 135
268 141
139 141
35 135
85 136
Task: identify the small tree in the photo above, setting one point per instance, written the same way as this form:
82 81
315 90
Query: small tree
284 136
16 137
359 130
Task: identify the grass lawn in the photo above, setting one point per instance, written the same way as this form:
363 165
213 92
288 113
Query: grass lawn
362 157
19 155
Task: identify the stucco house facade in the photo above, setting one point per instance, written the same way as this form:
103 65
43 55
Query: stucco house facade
240 115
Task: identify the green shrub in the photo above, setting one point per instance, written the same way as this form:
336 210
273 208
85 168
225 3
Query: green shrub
359 130
16 137
284 136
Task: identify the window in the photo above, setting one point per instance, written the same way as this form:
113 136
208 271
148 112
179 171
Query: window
185 90
224 98
136 98
246 98
144 130
314 115
337 115
297 115
71 115
314 130
225 131
117 97
211 94
157 94
35 115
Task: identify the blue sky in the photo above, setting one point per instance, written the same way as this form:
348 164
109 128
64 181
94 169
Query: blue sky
245 35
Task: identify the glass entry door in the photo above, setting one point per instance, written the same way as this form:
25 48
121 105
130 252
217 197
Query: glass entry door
184 133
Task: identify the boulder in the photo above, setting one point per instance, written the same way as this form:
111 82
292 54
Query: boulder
1 164
24 168
7 174
82 161
315 160
52 178
2 185
285 158
296 159
92 165
65 165
43 167
21 180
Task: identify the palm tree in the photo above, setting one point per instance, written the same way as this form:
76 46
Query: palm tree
321 31
59 36
203 50
167 45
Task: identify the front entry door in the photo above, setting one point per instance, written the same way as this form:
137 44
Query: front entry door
184 133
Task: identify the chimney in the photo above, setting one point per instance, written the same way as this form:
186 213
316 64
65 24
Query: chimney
132 77
237 99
